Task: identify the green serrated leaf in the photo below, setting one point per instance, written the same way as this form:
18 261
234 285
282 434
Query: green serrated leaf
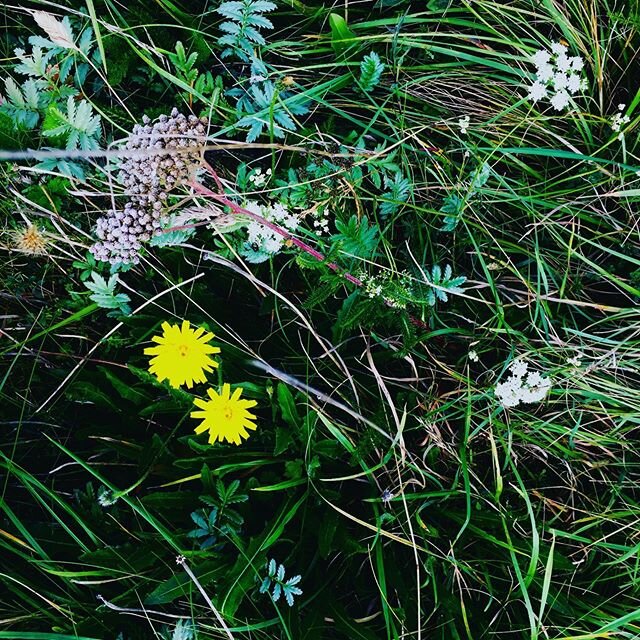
371 69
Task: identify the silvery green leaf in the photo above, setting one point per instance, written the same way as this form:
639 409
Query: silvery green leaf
266 584
171 238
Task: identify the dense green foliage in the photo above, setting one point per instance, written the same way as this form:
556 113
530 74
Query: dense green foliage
436 226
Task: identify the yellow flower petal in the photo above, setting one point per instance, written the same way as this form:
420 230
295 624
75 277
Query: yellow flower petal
181 355
224 415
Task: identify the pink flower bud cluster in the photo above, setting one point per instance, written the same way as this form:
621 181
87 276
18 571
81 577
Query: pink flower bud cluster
147 180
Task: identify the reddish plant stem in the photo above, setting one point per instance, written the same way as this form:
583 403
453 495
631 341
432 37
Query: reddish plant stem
238 210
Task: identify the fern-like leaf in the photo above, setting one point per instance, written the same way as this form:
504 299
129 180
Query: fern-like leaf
398 191
371 69
356 237
34 65
184 630
60 33
442 283
244 19
78 124
265 108
104 294
275 582
23 104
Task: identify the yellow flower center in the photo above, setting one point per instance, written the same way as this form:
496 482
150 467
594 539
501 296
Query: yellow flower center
228 413
183 349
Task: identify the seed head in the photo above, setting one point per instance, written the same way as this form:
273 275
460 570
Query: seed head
148 179
30 240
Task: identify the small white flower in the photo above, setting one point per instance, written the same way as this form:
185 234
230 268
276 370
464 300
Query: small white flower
258 178
575 361
508 395
254 207
557 76
621 107
541 58
272 244
278 213
577 63
573 83
518 368
563 62
321 223
255 231
373 290
560 100
106 497
473 356
534 379
515 389
618 120
534 394
463 123
267 240
560 80
537 91
545 73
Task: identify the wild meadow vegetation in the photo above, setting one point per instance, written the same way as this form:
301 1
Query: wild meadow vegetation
320 319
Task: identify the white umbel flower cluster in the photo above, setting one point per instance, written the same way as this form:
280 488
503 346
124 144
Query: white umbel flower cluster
619 120
259 179
261 239
557 76
522 386
321 221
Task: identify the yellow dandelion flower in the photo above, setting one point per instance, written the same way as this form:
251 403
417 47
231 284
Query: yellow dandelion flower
225 416
182 354
30 240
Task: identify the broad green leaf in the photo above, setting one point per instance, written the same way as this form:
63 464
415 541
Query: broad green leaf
180 584
288 407
342 38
